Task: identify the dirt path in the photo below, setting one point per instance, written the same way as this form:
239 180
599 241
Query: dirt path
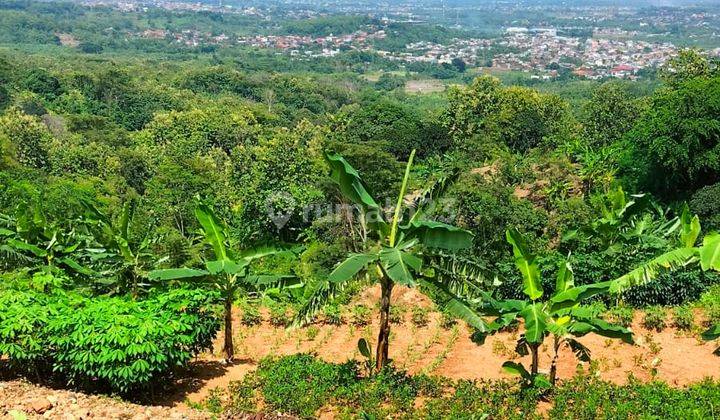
675 357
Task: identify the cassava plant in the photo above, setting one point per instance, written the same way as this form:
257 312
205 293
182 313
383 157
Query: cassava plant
229 271
392 252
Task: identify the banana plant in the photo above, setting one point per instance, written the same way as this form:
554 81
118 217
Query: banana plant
558 316
128 258
709 256
394 252
32 240
230 272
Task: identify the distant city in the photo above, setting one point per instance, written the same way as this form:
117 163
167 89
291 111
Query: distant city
584 39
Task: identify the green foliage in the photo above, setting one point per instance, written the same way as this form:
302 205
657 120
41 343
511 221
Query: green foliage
710 303
706 203
592 398
683 317
113 343
419 315
655 318
621 315
360 315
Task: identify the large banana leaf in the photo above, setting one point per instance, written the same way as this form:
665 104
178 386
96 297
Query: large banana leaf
400 265
457 306
648 271
565 278
262 251
213 229
325 293
710 252
24 246
690 228
526 263
177 274
349 268
535 322
352 187
712 334
601 327
226 266
518 369
438 235
273 281
575 295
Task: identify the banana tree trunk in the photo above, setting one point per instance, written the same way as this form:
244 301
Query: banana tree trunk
553 365
228 348
383 343
535 358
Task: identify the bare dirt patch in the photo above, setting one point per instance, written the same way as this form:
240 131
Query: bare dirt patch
424 86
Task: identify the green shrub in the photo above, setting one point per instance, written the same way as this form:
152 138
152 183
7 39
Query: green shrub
654 318
621 315
279 315
447 320
706 204
250 315
397 313
588 398
710 303
683 317
332 314
360 315
106 343
301 384
419 316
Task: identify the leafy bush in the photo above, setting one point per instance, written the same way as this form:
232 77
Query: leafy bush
360 315
301 384
683 317
710 303
419 316
586 398
671 289
332 314
654 318
279 315
250 315
706 204
112 343
397 313
621 315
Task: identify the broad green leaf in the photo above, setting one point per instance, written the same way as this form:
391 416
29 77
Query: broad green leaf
273 281
565 278
669 261
526 263
541 381
349 268
438 235
457 306
352 187
24 246
575 295
710 252
516 369
262 251
364 348
125 218
76 266
176 274
535 322
690 228
400 265
712 333
226 266
601 327
213 229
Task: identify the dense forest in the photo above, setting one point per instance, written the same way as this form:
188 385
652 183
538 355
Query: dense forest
141 193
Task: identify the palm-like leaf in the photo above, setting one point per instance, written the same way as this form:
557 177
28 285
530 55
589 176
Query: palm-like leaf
349 268
213 229
177 274
527 264
325 293
438 235
648 271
